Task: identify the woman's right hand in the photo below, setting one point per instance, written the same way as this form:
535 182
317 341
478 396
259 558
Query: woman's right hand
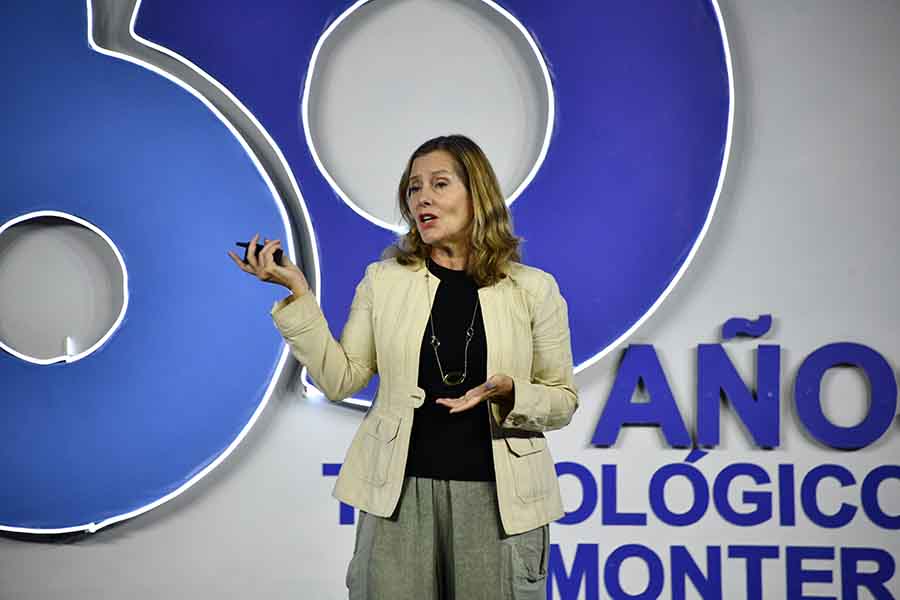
264 268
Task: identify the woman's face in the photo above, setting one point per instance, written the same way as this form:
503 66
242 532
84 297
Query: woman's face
438 200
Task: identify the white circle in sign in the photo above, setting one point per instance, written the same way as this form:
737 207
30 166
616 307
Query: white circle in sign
389 74
63 287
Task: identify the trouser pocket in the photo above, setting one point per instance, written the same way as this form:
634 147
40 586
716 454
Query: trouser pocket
357 572
529 554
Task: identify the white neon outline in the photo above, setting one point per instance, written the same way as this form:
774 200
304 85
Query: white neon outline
285 351
115 249
401 227
709 215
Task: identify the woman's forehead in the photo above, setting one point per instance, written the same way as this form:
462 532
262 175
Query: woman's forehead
438 161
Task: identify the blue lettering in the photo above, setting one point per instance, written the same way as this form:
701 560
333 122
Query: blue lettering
797 575
761 500
709 586
809 496
852 579
614 564
870 496
346 513
754 556
658 497
610 514
787 510
640 366
717 377
585 571
588 492
883 395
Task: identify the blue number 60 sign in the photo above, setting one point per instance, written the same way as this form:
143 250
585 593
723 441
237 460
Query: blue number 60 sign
166 168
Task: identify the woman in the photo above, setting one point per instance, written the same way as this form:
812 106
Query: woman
449 469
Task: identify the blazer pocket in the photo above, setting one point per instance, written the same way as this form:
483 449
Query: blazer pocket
529 462
378 441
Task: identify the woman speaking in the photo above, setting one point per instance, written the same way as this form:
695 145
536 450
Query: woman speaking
449 468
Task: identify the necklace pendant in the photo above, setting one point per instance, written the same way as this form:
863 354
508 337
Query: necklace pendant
454 378
435 342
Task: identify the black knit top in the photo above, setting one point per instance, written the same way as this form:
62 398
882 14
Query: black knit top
457 446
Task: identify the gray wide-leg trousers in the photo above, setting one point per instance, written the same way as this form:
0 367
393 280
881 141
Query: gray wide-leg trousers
445 542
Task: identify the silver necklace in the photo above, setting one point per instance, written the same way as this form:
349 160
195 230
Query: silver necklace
453 377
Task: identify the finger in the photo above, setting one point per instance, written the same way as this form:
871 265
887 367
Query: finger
251 252
475 393
466 405
271 263
267 254
451 402
241 264
264 259
460 404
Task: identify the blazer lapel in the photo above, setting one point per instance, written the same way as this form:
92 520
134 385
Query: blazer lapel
492 308
422 294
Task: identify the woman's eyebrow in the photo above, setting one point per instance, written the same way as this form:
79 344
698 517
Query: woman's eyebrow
445 171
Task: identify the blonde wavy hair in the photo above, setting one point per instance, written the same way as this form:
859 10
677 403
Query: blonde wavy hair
493 245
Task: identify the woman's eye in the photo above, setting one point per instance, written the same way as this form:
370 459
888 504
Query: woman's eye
441 184
411 190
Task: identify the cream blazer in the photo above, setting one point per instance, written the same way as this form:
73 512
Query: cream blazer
527 331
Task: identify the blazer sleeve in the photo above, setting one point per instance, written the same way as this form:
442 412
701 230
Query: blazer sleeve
339 368
549 398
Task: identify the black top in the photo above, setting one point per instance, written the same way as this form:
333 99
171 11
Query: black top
457 446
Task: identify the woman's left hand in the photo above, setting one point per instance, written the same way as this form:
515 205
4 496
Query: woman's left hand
496 388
